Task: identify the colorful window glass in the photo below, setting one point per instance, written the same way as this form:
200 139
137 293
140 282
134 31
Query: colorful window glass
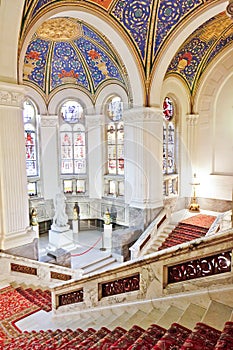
169 135
115 109
73 147
71 111
31 140
73 150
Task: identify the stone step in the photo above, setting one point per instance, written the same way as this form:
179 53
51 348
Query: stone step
192 314
98 264
172 314
134 319
217 314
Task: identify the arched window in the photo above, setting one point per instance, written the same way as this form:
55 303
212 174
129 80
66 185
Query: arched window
31 146
114 179
169 148
73 147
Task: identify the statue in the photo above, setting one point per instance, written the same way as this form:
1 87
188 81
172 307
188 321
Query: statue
107 218
76 211
34 220
60 218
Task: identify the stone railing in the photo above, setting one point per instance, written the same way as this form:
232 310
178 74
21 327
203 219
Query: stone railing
27 271
203 263
221 223
150 233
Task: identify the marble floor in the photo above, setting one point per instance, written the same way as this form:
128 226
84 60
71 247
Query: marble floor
89 244
89 247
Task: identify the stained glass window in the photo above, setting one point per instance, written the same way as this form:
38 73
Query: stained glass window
31 139
169 142
71 111
115 148
73 147
115 138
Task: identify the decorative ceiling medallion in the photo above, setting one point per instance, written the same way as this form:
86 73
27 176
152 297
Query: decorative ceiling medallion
59 29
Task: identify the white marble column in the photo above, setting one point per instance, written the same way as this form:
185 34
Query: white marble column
143 157
50 155
95 154
14 212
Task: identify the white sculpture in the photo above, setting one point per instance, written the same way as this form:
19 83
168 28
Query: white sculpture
60 218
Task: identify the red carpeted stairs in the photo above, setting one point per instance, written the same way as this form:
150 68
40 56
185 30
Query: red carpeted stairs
188 230
38 297
176 337
225 341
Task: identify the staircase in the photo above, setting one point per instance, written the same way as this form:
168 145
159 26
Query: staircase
198 320
101 264
156 243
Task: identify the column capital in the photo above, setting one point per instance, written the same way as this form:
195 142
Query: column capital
49 120
11 94
192 119
142 114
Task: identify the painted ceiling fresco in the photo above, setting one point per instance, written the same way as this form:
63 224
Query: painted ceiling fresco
193 57
67 51
147 25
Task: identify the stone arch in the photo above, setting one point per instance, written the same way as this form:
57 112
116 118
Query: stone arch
175 42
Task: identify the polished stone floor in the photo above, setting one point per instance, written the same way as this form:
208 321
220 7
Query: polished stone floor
89 247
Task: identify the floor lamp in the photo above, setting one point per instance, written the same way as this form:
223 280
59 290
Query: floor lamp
194 206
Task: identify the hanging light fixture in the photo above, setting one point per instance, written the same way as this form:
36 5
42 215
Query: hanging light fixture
194 206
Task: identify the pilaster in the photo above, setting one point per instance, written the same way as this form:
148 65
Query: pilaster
192 120
14 215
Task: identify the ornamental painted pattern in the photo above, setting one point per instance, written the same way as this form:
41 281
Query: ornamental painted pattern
35 62
169 14
66 66
100 64
135 17
79 57
200 48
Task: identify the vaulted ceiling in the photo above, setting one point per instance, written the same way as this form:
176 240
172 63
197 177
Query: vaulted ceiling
69 48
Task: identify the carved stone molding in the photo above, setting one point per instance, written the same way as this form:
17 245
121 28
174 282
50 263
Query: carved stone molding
49 120
229 9
192 119
10 97
142 114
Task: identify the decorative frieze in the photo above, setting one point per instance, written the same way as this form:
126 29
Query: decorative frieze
119 286
49 120
71 298
24 269
60 276
9 96
203 267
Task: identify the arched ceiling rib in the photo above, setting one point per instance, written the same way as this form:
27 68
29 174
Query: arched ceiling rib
148 25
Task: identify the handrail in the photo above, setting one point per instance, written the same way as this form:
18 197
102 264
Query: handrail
221 223
151 276
149 233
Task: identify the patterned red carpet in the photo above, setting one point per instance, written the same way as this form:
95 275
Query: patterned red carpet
200 220
13 307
